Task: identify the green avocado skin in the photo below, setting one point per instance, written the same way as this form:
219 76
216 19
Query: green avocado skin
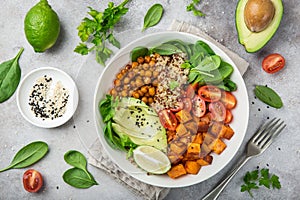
252 41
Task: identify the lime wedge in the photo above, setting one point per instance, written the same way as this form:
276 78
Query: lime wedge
151 160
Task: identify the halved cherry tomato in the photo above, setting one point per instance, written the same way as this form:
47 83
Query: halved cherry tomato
191 90
273 63
168 119
228 117
209 93
178 107
228 99
32 180
199 106
218 111
187 104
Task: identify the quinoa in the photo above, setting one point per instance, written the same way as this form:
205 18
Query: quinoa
170 72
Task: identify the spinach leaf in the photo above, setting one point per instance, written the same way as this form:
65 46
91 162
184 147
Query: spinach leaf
165 49
268 96
228 85
10 75
78 178
153 16
76 159
209 63
28 155
201 46
106 107
138 52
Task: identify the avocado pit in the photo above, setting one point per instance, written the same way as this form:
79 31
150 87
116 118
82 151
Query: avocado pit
258 14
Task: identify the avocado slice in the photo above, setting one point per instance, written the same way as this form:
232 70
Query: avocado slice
254 41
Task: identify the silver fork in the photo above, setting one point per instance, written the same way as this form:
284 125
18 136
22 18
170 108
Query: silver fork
261 140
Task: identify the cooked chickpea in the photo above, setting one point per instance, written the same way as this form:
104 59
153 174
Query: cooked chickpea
117 82
123 71
140 93
130 74
136 95
139 82
144 89
128 67
140 60
152 63
147 59
126 80
119 76
155 82
147 80
148 73
155 73
124 93
134 64
113 92
145 66
142 72
150 100
145 99
151 91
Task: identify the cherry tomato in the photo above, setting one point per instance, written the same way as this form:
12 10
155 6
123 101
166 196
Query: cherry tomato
273 63
199 106
191 90
228 99
168 119
32 180
218 111
187 104
178 107
228 117
209 93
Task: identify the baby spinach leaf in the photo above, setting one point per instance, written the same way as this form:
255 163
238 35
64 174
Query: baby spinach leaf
153 16
10 75
106 108
28 155
268 96
138 52
209 63
166 49
76 159
201 46
78 178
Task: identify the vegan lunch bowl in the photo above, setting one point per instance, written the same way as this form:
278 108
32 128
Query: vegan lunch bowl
171 109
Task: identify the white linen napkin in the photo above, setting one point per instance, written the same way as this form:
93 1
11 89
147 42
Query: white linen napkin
97 156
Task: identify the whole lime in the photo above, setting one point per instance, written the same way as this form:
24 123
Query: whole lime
41 26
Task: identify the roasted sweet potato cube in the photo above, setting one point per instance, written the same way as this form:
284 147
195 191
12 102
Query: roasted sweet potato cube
193 151
208 138
198 138
217 146
203 126
177 147
170 135
215 128
186 139
205 150
226 132
174 158
181 130
192 126
183 116
176 171
192 167
206 160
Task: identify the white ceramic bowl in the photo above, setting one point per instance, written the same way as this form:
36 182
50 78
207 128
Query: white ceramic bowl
239 124
25 88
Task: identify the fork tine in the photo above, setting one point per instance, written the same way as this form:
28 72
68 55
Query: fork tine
261 130
266 131
266 143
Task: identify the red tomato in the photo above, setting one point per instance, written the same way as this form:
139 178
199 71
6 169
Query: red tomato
273 63
168 119
228 99
209 93
178 107
218 111
228 117
32 180
187 104
199 106
191 90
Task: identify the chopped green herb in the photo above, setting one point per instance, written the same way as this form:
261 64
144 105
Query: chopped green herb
192 7
173 84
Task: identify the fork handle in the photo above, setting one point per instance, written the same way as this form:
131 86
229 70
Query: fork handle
213 195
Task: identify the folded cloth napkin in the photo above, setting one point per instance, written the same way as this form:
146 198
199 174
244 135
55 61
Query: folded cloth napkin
100 159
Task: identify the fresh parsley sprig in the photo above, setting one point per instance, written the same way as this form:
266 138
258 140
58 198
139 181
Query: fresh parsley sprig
98 29
192 7
262 177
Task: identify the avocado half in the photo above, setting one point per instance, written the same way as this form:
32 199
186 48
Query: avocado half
254 41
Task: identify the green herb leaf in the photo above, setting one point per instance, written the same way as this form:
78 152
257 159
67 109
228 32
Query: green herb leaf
153 16
248 187
275 182
106 108
138 52
192 7
98 29
173 84
28 155
75 159
268 96
209 63
78 178
165 49
10 75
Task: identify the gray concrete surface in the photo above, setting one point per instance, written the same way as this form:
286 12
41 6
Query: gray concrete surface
282 158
